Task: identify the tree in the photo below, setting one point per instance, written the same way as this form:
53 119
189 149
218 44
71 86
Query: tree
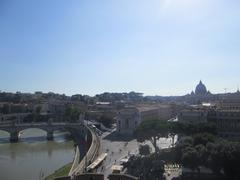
190 129
106 120
203 138
38 110
72 113
214 160
152 130
190 158
206 127
144 150
174 129
182 144
224 155
194 157
147 167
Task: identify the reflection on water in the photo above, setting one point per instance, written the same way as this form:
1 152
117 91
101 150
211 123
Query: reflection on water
33 154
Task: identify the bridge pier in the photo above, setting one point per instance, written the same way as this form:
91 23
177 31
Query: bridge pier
50 135
14 136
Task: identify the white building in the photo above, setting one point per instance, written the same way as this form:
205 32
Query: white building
129 118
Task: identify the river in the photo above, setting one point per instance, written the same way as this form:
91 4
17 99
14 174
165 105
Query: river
33 156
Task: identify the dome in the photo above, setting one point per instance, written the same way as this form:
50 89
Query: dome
201 89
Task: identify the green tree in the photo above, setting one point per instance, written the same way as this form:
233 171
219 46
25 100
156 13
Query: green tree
38 110
190 129
106 120
203 138
224 155
72 113
147 167
144 150
190 158
182 144
152 130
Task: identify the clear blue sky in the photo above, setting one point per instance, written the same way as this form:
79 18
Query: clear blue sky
159 47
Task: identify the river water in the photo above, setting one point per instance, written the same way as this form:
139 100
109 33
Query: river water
33 157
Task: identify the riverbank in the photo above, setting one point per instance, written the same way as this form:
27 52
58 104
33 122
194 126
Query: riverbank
63 171
69 169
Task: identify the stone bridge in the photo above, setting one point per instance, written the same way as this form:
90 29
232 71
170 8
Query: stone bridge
15 128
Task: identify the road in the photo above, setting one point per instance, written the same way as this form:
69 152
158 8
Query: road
117 149
91 154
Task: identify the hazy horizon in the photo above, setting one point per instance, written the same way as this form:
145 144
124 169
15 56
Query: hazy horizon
32 92
157 47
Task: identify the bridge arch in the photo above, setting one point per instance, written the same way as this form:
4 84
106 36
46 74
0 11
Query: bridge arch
26 130
5 136
50 133
49 128
29 128
5 131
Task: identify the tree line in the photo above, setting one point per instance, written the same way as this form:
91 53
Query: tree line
198 146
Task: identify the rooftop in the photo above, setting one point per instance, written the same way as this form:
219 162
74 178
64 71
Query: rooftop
147 107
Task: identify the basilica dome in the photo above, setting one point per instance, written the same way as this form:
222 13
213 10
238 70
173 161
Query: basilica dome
201 89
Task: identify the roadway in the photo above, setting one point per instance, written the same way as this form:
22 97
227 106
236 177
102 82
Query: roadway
117 150
90 156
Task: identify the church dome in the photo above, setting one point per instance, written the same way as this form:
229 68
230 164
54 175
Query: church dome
201 89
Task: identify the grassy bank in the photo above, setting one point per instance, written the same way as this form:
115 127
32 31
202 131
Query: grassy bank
63 171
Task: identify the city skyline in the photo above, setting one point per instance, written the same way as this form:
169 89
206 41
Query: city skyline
155 47
193 92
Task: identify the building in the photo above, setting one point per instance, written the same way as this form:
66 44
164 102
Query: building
225 115
129 118
201 89
227 122
193 116
230 102
195 113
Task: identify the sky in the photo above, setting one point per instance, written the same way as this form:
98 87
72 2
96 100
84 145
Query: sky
157 47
